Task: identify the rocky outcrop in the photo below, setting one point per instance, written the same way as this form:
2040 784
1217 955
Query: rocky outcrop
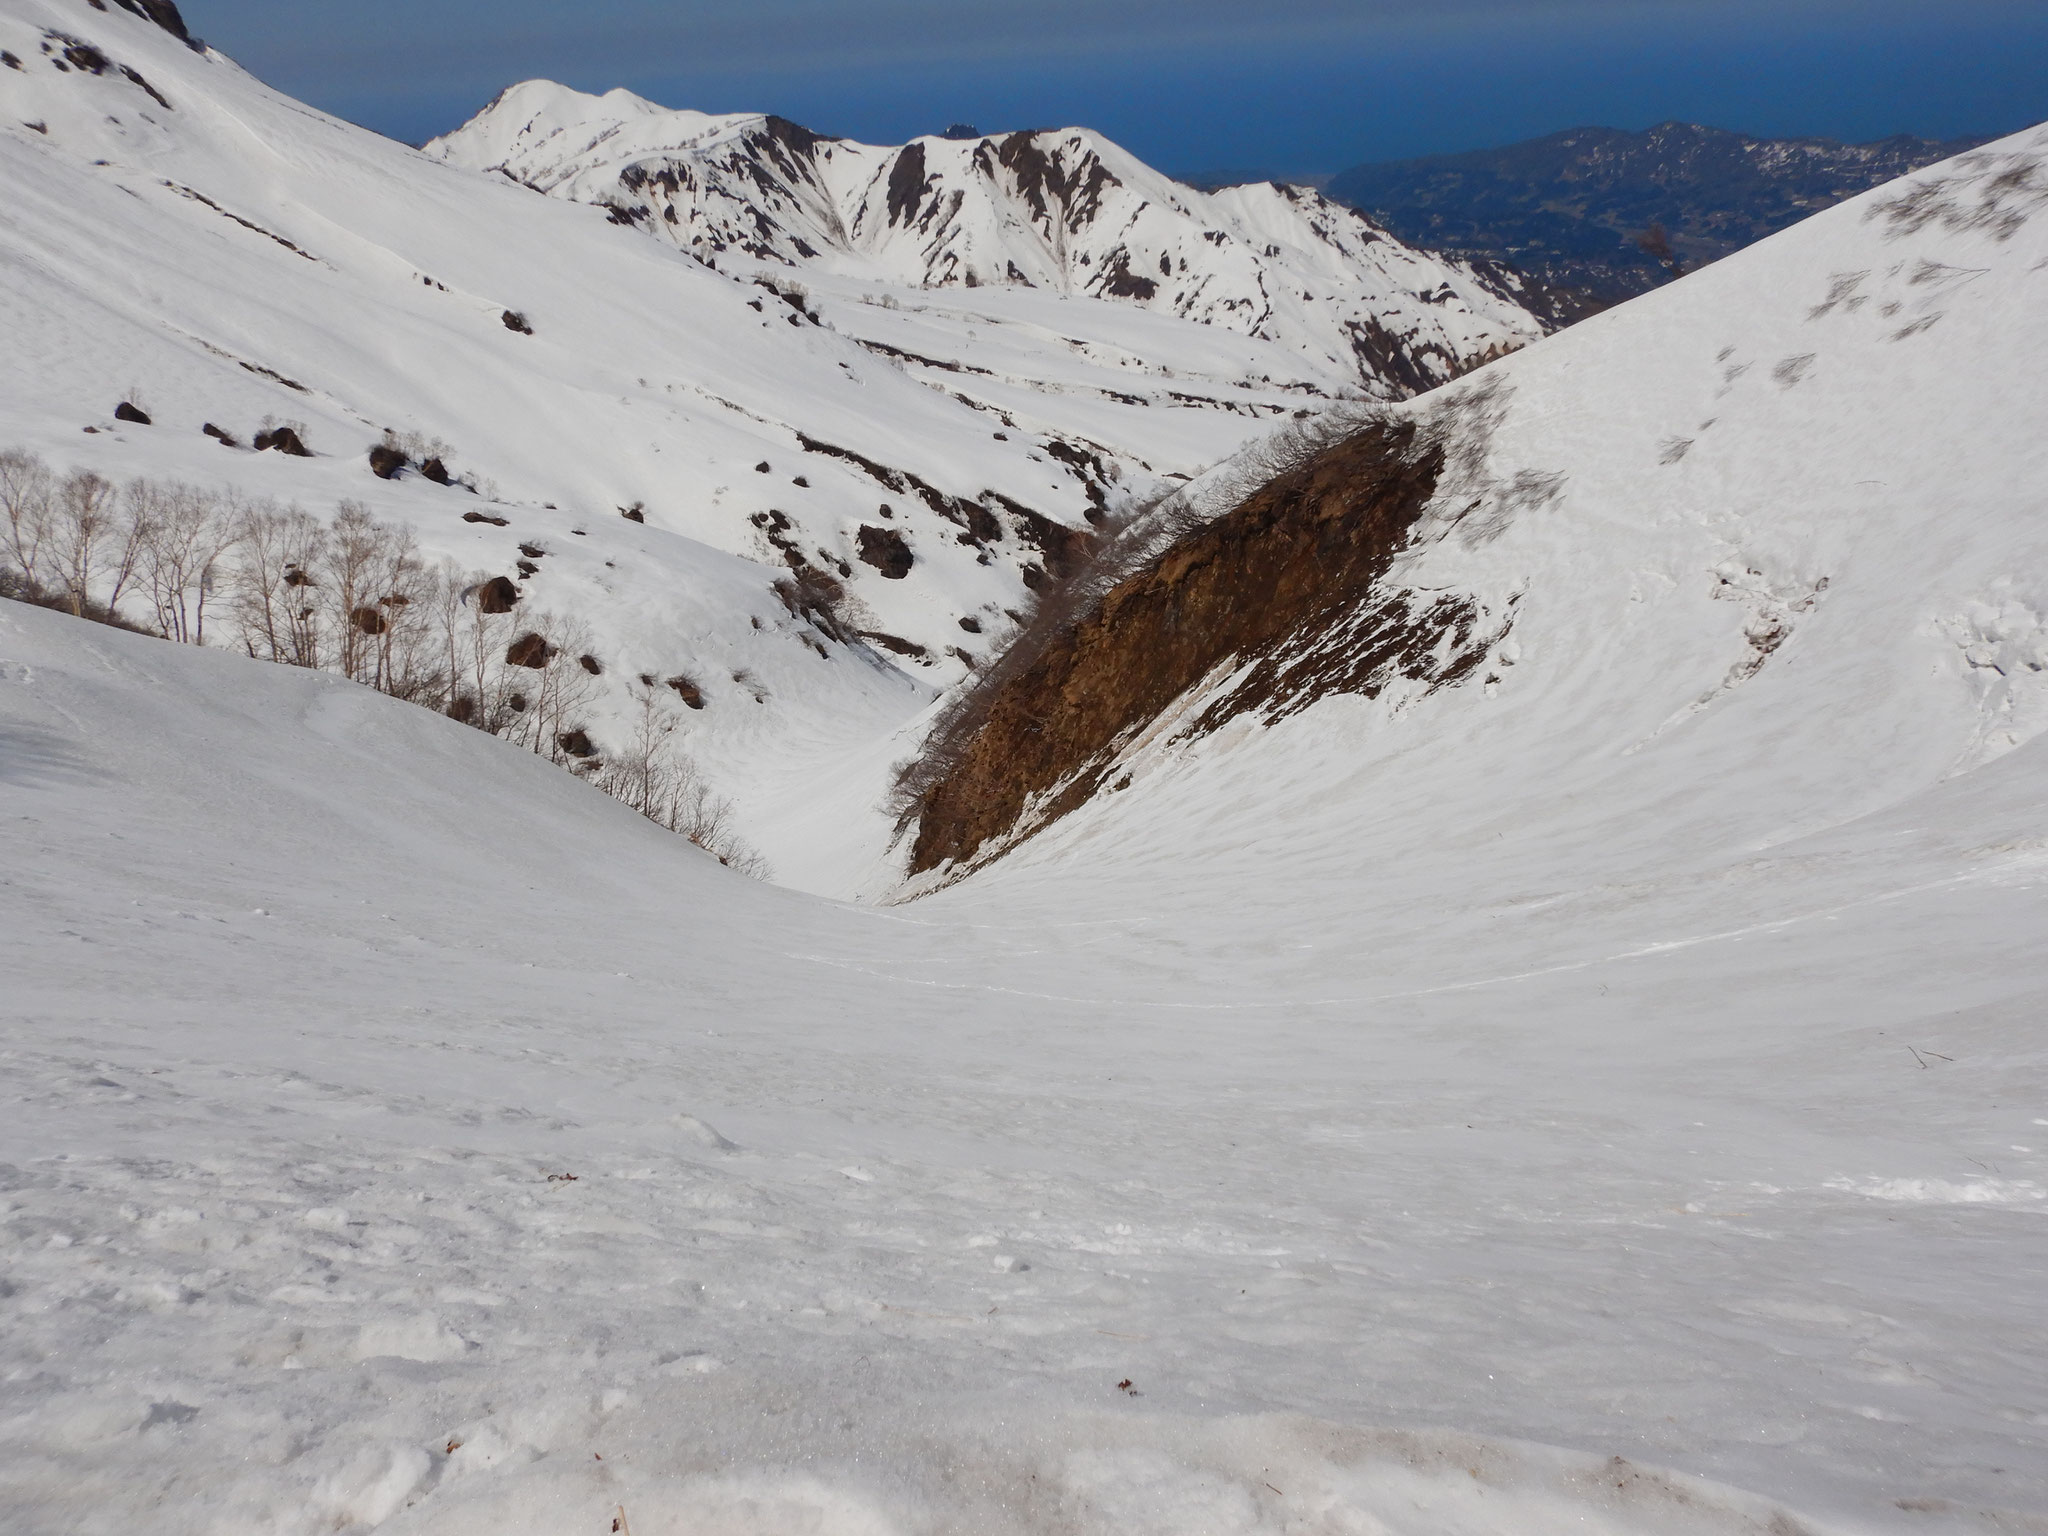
164 13
1291 587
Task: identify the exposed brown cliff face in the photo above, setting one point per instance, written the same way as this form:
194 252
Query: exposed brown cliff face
1289 582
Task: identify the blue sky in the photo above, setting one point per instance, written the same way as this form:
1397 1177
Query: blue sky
1288 87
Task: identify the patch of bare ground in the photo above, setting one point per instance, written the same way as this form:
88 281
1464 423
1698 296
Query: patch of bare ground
1289 585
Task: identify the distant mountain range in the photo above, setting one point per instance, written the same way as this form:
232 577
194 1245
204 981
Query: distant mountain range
1578 211
1059 211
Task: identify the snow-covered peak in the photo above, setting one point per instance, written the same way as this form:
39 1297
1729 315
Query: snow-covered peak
541 122
1063 210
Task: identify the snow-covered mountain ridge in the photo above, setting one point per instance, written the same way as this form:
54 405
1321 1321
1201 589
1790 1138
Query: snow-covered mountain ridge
1062 210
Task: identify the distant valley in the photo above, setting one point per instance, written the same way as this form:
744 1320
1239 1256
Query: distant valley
1578 212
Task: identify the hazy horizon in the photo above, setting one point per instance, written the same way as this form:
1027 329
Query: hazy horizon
1301 88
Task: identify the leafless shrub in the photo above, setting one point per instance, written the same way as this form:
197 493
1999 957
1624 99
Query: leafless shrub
791 292
418 446
821 598
658 780
1655 243
1983 190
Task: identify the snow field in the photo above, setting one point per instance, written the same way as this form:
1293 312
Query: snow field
352 982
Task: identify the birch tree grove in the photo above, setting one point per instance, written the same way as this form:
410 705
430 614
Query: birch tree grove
350 595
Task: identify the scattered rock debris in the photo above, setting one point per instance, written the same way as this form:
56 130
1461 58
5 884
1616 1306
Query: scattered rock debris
529 650
886 550
285 440
498 595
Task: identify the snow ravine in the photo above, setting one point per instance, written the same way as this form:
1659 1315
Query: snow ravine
1606 1098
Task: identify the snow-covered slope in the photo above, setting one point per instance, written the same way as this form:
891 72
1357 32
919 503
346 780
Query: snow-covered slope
1745 559
1064 211
395 1134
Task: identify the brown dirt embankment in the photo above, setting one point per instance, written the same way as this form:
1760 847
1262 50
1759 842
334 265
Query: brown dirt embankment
1298 557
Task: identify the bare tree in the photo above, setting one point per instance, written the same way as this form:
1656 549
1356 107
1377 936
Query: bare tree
473 641
368 578
401 623
260 595
347 575
26 488
277 605
93 541
186 534
639 775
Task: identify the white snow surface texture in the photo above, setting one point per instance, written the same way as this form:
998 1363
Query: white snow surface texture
1551 1104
